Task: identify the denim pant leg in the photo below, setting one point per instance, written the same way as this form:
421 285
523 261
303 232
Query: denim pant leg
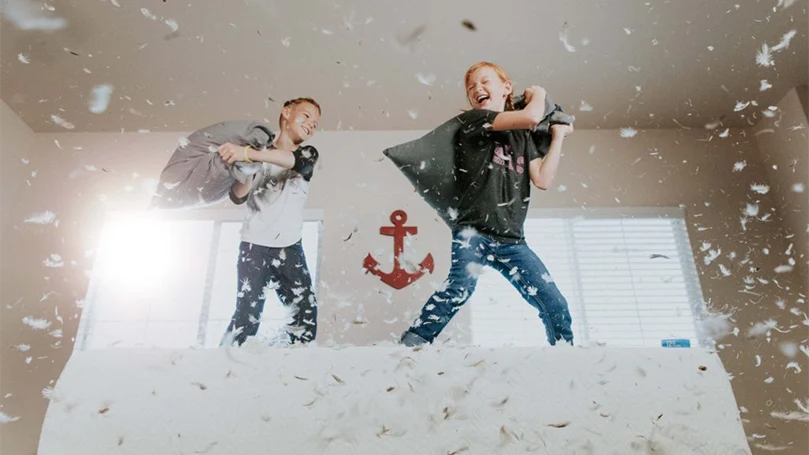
467 253
526 272
295 292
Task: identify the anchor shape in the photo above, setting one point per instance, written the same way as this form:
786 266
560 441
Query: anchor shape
398 278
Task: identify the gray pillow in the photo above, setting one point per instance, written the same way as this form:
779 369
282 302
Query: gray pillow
196 175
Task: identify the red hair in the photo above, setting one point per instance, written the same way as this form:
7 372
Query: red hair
500 72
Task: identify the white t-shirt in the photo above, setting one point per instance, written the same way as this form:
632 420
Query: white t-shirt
275 207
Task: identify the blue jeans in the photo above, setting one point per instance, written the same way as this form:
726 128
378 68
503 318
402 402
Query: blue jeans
516 262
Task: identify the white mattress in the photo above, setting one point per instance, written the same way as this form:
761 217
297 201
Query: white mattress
375 400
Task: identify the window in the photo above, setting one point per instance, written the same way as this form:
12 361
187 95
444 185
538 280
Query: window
169 280
628 276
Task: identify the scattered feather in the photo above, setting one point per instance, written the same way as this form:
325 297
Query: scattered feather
762 328
54 261
148 14
715 326
764 57
711 256
559 425
740 106
27 15
36 323
62 122
5 418
785 40
789 348
173 24
100 98
759 188
713 125
426 79
791 416
46 217
564 40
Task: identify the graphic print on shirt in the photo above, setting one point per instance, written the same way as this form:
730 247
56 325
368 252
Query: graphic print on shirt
271 184
504 156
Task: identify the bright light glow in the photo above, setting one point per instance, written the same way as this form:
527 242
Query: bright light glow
135 252
148 282
152 274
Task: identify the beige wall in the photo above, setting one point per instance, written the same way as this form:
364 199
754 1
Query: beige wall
355 187
783 142
15 145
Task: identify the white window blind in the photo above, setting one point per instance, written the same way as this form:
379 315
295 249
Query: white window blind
171 283
629 280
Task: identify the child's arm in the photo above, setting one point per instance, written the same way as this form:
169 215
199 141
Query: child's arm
301 160
543 170
232 153
524 119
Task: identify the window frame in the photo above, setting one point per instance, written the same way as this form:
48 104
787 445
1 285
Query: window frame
687 264
217 217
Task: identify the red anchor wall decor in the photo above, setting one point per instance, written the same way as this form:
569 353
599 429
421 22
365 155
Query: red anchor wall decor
398 278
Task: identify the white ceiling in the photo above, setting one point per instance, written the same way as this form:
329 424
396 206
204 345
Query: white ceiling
640 64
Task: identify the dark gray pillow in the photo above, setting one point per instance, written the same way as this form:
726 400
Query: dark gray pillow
429 161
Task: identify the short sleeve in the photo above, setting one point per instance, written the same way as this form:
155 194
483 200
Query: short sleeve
305 160
532 151
237 200
477 121
241 200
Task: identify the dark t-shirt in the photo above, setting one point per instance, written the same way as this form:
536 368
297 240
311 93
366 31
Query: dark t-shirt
492 169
